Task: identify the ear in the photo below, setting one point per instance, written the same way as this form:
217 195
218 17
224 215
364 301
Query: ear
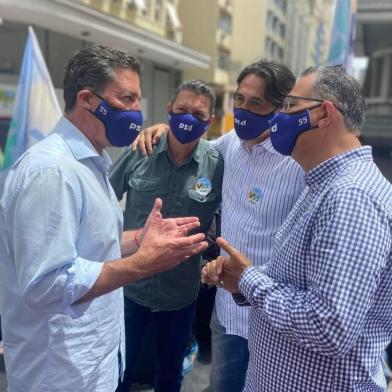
169 107
328 116
85 99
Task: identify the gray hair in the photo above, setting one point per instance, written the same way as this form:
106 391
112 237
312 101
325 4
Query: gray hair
197 87
335 84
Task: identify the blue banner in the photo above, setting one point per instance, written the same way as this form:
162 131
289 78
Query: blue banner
36 108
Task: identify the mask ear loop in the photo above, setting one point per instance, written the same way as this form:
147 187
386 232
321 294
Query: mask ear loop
311 108
101 98
96 94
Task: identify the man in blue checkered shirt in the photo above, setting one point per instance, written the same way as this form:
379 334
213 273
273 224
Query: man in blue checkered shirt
321 310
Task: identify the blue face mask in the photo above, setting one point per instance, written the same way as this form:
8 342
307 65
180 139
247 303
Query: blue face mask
286 127
186 127
121 126
249 125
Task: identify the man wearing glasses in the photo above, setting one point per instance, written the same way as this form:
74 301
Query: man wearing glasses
321 304
186 173
260 186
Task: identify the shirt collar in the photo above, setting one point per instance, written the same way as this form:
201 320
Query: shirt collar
80 145
268 146
265 144
163 147
330 168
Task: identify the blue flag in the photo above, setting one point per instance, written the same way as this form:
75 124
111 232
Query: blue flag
36 108
343 34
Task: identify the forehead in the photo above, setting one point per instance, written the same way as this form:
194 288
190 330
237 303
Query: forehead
125 80
304 86
191 99
253 85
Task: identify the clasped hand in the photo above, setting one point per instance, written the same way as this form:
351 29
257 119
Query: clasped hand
225 271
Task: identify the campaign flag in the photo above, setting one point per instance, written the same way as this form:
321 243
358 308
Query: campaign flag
343 34
36 108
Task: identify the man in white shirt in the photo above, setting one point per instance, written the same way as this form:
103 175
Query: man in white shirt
260 186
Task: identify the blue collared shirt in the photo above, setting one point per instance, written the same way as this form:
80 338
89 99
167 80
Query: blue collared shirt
59 222
144 179
321 310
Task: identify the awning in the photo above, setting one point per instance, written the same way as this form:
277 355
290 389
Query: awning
75 19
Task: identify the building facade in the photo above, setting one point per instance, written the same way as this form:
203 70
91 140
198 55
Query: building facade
374 40
295 33
207 27
148 29
308 33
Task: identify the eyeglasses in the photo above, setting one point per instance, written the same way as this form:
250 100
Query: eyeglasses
289 101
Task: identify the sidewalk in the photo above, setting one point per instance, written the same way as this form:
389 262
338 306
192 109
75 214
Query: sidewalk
194 381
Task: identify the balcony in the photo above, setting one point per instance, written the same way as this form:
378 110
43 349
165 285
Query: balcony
226 5
374 11
374 26
223 40
221 77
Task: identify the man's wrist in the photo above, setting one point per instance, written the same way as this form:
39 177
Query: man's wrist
135 266
138 237
242 278
240 299
245 268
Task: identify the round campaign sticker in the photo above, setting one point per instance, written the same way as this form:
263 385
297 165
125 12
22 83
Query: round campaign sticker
254 195
203 186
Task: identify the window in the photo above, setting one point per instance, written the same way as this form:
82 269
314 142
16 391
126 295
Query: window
225 22
273 48
282 5
377 76
282 31
268 44
172 16
158 9
275 25
390 78
146 10
223 59
280 52
270 19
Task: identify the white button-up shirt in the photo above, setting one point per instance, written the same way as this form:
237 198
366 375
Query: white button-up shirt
259 189
59 221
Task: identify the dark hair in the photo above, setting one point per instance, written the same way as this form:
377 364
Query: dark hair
333 83
279 80
199 88
93 67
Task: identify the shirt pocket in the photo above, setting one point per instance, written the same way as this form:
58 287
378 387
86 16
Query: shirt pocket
141 195
202 206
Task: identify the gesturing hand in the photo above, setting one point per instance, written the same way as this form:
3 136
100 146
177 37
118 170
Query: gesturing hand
165 242
225 272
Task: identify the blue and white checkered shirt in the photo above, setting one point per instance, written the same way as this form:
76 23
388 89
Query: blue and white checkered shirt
321 309
259 190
